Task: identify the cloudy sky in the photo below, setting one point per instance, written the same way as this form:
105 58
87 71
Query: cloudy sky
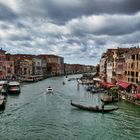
78 30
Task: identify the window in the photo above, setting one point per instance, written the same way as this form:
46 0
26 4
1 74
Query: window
132 73
125 72
132 65
137 56
133 57
132 79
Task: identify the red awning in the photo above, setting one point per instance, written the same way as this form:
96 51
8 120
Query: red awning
137 95
108 85
123 84
138 88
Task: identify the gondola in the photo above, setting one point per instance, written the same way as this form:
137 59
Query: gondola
97 90
94 109
2 102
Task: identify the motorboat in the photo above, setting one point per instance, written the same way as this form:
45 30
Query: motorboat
2 102
3 87
96 90
14 87
49 89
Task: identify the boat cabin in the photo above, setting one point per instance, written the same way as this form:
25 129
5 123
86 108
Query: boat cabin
14 87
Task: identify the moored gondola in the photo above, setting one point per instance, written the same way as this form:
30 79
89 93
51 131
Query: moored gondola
2 102
94 109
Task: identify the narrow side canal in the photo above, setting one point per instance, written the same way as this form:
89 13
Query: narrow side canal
35 115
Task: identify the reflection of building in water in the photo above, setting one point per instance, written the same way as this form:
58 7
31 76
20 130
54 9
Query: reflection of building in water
77 86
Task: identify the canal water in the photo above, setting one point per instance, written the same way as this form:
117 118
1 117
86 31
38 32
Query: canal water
36 115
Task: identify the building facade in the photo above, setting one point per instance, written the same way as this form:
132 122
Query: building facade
55 64
10 67
103 67
2 64
132 66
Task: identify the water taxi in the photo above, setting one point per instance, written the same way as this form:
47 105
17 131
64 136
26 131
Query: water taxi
14 87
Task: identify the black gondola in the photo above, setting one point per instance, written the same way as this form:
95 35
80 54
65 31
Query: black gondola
94 109
97 90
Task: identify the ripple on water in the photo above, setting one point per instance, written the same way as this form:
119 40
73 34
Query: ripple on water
37 115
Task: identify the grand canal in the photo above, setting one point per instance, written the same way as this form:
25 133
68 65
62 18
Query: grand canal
35 115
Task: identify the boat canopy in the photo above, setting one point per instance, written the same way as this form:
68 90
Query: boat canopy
123 84
3 82
137 96
14 83
138 89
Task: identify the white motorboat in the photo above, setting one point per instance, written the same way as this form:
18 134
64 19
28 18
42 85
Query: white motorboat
14 87
3 87
49 89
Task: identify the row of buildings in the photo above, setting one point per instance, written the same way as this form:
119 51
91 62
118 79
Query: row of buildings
121 64
27 67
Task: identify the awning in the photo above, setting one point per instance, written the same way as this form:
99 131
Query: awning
138 89
123 84
108 85
137 96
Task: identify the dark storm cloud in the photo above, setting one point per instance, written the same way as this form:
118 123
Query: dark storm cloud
20 38
128 39
106 25
113 6
120 26
6 13
61 11
80 29
4 26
